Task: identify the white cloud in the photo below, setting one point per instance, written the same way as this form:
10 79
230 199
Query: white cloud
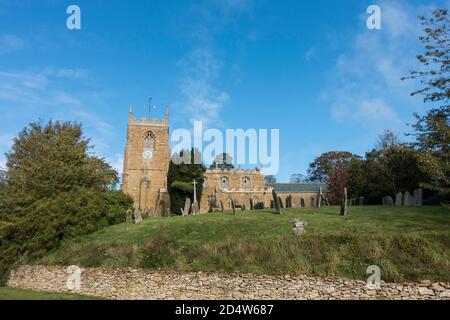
10 43
202 100
310 53
116 161
366 87
37 88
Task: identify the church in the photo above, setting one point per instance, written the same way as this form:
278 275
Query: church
146 164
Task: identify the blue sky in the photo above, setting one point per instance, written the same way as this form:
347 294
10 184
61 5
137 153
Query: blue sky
309 68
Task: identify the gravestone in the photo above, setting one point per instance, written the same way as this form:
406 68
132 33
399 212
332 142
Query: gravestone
388 201
408 200
298 226
129 215
276 202
344 203
187 206
146 213
399 199
280 202
418 197
137 215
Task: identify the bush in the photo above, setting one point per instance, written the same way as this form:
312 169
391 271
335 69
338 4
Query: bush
53 220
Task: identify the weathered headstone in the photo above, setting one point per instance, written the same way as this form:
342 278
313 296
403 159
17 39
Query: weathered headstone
129 215
388 201
146 214
137 216
276 202
408 200
418 197
344 203
399 199
298 226
187 206
280 201
319 200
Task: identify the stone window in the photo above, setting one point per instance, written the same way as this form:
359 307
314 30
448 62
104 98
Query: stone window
246 183
224 182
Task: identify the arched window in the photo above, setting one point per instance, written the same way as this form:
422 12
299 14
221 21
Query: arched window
149 145
224 182
246 183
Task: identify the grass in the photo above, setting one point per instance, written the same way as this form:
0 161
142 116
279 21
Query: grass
408 244
22 294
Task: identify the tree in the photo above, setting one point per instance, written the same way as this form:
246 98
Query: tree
321 168
337 181
298 178
46 160
53 189
180 178
223 161
387 140
270 179
432 130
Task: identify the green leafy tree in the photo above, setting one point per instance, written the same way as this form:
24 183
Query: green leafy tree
432 130
322 167
298 178
180 178
53 189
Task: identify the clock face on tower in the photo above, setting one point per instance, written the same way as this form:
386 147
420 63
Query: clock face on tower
148 154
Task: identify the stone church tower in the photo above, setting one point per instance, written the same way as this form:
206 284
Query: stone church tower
146 163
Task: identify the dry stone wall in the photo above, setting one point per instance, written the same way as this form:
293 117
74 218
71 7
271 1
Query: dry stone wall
137 284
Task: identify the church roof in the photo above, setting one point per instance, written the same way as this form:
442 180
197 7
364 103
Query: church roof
298 187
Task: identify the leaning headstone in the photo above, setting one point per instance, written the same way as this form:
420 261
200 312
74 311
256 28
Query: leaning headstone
319 199
408 200
137 216
388 201
399 199
344 203
187 206
298 226
280 201
276 202
129 215
418 197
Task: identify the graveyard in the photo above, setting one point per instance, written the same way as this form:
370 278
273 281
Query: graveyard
408 243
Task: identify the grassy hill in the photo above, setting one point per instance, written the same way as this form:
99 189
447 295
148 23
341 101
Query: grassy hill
406 243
